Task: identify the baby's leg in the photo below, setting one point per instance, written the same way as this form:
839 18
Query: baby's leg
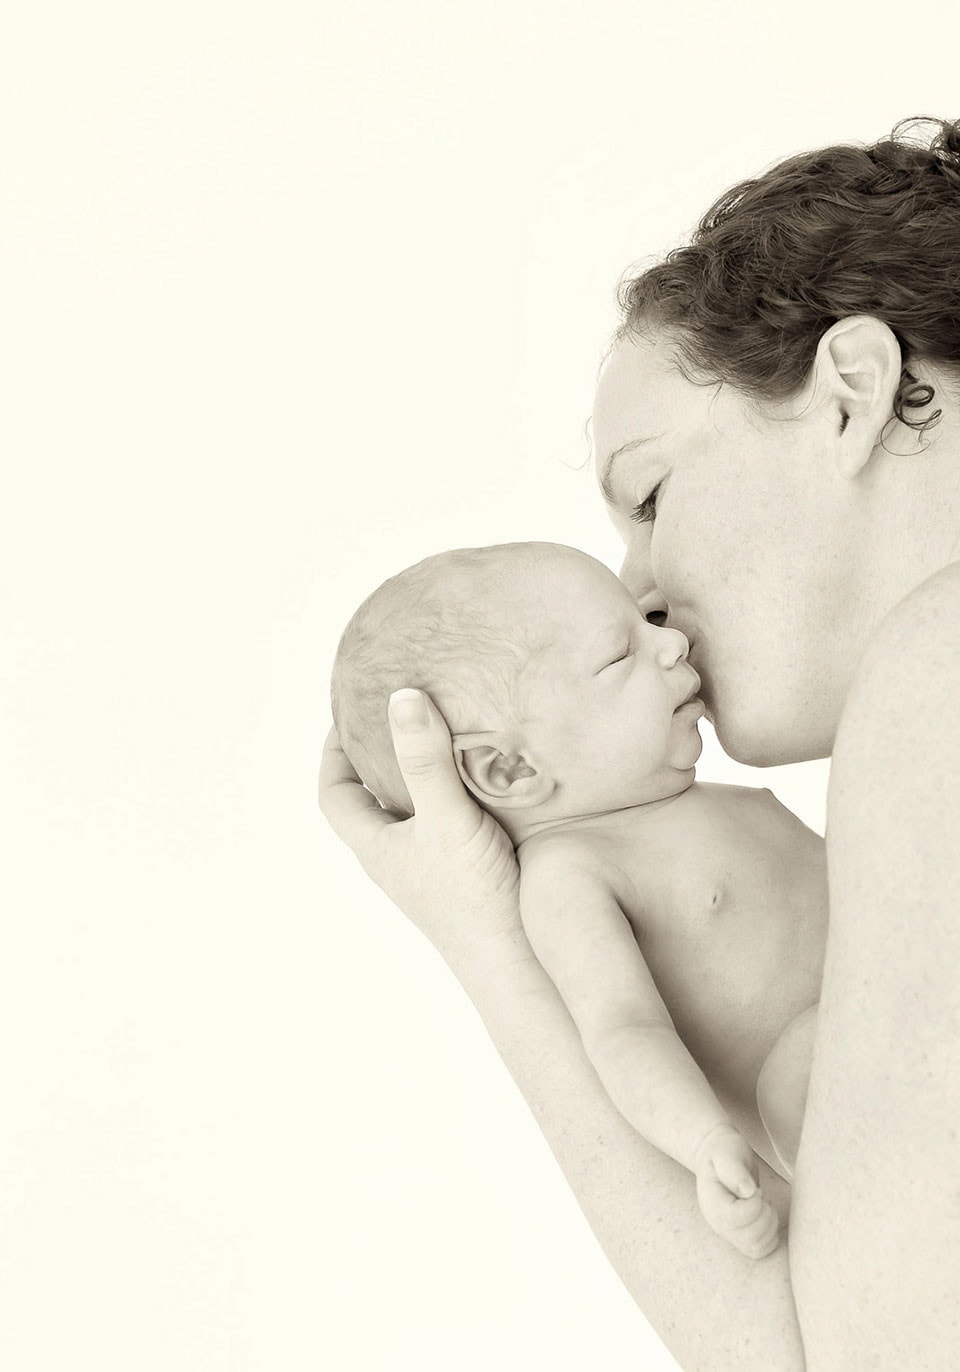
782 1087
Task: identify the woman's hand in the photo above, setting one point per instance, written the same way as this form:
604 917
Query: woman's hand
450 868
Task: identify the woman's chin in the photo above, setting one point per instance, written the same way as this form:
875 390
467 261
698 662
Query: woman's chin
755 741
764 742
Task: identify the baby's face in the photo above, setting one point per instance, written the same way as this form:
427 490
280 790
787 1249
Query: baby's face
609 700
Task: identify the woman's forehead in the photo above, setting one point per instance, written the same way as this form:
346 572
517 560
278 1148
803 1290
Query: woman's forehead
636 405
638 398
645 405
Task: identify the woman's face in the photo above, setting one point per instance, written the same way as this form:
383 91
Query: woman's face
750 545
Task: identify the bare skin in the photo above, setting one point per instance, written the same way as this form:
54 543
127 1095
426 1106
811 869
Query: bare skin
876 1220
726 892
812 568
782 1088
685 936
690 1283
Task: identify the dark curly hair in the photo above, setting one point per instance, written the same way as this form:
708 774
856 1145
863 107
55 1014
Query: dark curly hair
779 258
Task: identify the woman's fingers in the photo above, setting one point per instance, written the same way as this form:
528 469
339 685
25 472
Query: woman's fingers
424 752
421 741
348 807
450 868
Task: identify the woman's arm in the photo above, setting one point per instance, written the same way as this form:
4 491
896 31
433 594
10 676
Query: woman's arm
449 870
713 1308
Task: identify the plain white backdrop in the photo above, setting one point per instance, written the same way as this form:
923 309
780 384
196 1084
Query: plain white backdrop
297 294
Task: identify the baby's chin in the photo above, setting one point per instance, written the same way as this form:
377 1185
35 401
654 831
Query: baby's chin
689 777
682 779
613 802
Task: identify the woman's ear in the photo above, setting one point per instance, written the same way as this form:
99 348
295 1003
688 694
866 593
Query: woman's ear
503 780
858 368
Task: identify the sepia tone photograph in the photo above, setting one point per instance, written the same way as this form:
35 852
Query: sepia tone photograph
480 688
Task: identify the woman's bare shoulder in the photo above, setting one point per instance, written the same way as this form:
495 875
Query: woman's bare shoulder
896 765
916 615
911 663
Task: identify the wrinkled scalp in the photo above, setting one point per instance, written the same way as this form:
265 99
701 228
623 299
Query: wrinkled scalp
447 625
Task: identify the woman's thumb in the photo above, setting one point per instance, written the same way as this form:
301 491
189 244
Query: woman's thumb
421 741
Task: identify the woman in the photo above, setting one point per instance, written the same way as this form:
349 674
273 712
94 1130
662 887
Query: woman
777 432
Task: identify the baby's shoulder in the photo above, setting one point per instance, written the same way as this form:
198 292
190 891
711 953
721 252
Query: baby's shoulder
724 809
621 854
566 851
581 863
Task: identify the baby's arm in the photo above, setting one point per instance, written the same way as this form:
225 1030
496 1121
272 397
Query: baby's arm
586 944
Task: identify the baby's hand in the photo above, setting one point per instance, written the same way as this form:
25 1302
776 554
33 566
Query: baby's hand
729 1194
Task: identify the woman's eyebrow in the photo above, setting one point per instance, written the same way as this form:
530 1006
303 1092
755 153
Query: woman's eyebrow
608 465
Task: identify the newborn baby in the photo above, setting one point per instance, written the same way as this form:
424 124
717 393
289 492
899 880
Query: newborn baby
683 924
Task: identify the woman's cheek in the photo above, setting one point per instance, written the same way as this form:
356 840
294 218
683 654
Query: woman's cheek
672 562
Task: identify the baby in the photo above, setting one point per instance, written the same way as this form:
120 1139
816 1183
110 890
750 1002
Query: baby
683 924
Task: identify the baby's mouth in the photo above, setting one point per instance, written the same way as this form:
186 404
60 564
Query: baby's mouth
694 690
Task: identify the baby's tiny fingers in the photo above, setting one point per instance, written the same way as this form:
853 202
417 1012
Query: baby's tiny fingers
761 1238
735 1177
747 1212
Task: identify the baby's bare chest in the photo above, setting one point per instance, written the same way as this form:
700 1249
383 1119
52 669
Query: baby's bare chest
728 902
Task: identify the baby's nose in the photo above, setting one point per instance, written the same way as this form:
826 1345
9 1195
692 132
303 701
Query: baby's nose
672 646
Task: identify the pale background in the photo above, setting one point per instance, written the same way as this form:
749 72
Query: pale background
297 294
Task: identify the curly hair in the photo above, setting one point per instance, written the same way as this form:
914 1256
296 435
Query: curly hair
781 257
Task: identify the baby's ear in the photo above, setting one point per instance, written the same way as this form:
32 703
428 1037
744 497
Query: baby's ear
501 779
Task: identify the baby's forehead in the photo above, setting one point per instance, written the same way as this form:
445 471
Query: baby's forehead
536 603
564 587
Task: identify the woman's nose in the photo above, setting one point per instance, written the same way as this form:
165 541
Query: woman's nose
638 579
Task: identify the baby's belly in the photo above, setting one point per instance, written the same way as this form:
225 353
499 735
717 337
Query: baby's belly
735 961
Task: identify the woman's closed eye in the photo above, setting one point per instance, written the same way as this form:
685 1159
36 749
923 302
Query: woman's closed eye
646 511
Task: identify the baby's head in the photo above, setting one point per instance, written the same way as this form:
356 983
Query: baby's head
561 699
